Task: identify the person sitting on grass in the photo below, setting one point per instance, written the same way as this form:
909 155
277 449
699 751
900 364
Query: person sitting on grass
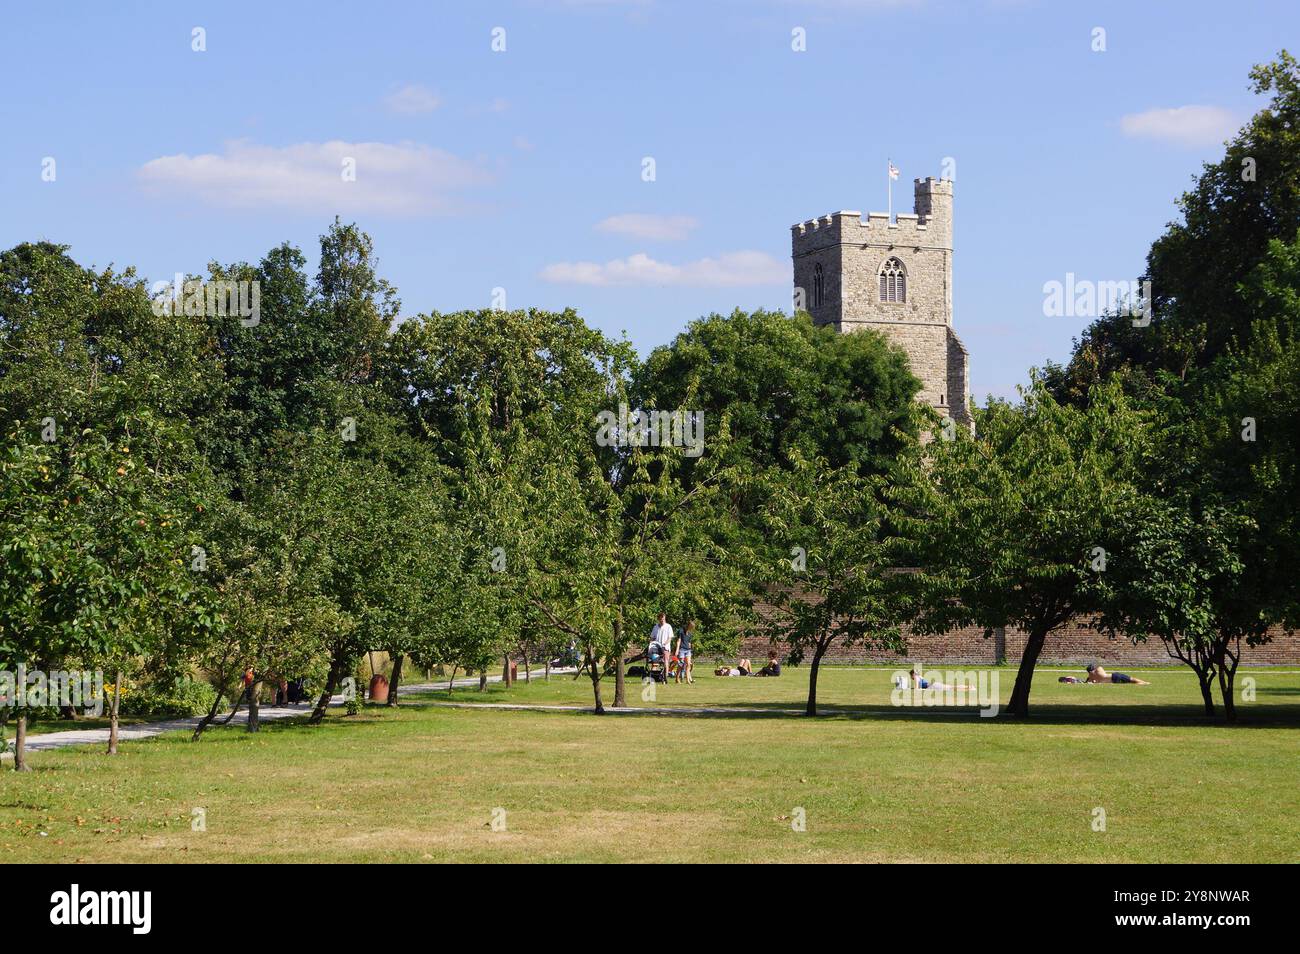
773 667
1098 674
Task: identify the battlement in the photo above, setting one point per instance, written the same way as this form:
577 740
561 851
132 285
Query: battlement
931 184
842 222
929 224
894 277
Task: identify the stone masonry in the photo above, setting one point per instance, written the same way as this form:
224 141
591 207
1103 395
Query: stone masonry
846 274
894 278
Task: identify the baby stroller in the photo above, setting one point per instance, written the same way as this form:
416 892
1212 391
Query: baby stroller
656 663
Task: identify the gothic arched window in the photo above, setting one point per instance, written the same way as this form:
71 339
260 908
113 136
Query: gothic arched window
819 285
893 281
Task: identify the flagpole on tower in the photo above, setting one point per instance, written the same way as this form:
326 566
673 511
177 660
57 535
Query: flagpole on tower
889 184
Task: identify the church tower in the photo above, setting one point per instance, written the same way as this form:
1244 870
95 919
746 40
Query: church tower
895 278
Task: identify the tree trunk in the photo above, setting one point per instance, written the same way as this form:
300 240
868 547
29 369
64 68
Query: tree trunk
482 680
528 670
451 683
113 712
207 719
505 673
331 683
620 683
397 678
548 667
1226 676
1019 704
1205 677
20 745
595 684
811 708
253 723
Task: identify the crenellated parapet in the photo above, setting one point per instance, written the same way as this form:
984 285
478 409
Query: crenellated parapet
893 276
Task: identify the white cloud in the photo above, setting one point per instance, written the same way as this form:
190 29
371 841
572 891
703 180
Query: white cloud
399 179
524 144
1185 125
727 270
412 99
662 228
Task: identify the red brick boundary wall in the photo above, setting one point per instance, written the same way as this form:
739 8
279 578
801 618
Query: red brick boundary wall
1076 643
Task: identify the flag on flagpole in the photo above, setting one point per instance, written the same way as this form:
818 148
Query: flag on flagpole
889 184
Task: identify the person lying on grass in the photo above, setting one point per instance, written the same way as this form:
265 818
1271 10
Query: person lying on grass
742 668
921 683
1098 674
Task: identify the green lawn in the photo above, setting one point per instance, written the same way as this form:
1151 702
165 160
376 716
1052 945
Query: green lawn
875 783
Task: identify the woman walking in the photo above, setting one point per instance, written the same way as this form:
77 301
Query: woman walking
685 661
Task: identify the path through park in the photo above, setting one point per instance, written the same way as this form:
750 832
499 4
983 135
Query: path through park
144 730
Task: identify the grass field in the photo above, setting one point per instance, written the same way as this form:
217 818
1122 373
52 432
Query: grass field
875 782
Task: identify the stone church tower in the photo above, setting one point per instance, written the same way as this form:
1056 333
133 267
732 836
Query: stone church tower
895 278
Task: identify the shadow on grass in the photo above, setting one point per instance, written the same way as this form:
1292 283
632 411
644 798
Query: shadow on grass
1249 715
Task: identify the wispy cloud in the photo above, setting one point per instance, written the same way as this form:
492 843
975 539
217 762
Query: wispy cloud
412 100
397 179
1185 125
660 228
727 270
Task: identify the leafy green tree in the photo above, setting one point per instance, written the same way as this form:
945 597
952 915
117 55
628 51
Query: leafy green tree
827 570
1174 577
32 567
100 388
787 388
1014 527
1238 205
618 543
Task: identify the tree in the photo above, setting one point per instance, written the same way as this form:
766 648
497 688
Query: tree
99 386
786 387
827 572
1015 526
30 567
620 541
1237 206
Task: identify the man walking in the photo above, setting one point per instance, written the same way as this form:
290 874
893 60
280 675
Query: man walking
661 643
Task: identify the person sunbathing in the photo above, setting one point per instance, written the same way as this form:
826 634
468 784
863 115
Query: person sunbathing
742 668
921 683
1097 674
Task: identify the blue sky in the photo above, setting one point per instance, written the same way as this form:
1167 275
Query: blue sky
523 169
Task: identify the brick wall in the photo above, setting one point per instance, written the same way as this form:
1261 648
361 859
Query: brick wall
1072 644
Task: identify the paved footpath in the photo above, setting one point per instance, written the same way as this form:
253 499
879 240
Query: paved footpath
144 730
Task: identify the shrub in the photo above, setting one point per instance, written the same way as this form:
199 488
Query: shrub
180 697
